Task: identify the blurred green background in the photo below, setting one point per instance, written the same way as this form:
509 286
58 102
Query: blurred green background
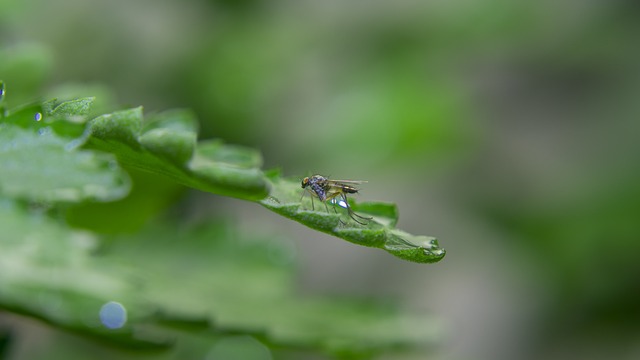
507 129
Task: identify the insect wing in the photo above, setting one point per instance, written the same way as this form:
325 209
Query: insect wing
345 186
346 182
349 181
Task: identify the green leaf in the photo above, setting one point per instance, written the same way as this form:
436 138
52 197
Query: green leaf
167 144
208 280
66 118
44 167
233 282
73 109
149 196
26 116
200 277
380 232
103 99
47 272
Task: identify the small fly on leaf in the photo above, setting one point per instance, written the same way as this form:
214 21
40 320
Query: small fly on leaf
328 190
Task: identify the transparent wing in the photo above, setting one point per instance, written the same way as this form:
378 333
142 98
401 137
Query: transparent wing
346 182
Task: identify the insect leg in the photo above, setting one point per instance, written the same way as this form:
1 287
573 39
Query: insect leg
312 206
326 207
352 213
310 195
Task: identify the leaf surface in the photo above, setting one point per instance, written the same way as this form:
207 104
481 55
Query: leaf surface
379 232
166 144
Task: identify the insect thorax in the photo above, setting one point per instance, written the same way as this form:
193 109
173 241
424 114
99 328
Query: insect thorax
319 190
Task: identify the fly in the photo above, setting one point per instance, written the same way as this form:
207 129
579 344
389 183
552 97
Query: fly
328 190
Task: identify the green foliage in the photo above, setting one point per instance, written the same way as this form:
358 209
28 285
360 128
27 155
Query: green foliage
166 144
47 272
228 283
174 281
218 279
495 107
380 232
37 163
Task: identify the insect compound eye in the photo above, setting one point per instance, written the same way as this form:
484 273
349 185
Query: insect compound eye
305 182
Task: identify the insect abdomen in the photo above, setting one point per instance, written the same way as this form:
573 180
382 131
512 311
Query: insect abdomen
349 189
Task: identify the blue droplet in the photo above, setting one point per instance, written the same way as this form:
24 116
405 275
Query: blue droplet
113 315
38 116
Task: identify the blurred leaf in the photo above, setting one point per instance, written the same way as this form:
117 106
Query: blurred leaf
239 348
202 281
40 167
237 283
285 199
104 100
66 118
47 272
166 144
25 116
149 195
72 109
216 150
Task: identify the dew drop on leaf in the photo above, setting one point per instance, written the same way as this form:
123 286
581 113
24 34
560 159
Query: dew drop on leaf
113 315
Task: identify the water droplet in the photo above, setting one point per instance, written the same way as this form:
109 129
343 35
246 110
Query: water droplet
338 202
432 248
113 315
38 116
